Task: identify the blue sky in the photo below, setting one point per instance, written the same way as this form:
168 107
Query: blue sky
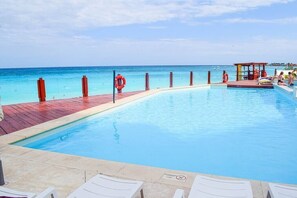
36 33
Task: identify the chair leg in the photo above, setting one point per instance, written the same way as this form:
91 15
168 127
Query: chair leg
141 193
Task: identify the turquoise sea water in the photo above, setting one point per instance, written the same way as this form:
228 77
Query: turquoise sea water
20 85
246 133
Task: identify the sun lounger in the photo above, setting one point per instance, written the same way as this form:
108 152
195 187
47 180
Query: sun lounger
179 193
217 188
48 193
1 112
266 81
281 191
102 186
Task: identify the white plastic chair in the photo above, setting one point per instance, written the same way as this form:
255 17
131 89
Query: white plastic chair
48 193
281 191
217 188
101 186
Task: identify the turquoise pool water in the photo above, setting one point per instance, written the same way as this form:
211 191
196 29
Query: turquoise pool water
246 133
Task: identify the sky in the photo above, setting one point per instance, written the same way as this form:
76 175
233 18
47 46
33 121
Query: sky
36 33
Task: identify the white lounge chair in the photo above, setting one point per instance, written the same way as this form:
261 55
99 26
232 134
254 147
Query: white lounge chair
48 193
281 191
101 186
217 188
1 112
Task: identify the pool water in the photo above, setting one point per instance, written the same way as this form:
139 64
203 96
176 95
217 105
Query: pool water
246 133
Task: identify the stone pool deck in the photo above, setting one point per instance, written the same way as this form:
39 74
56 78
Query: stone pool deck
35 170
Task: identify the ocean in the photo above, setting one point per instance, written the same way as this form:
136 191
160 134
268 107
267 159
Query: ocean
19 85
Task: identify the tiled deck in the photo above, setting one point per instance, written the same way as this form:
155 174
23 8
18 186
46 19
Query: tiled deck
35 170
20 116
247 84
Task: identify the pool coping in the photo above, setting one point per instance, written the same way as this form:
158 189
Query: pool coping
27 163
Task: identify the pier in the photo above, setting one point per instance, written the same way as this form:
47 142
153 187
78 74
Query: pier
248 84
24 115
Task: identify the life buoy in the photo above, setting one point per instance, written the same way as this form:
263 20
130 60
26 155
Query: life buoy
120 82
256 74
225 78
263 73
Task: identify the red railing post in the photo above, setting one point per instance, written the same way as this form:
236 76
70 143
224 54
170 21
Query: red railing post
208 79
147 82
223 80
191 78
85 89
41 90
237 73
171 79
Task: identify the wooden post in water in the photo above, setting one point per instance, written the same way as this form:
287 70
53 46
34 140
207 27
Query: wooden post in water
147 82
275 72
208 79
171 79
191 78
41 90
85 89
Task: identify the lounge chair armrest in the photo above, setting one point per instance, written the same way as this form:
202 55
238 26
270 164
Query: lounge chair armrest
50 192
179 193
14 193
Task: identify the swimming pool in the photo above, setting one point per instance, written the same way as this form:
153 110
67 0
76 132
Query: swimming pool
246 133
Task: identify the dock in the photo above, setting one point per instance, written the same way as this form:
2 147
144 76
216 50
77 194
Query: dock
248 84
24 115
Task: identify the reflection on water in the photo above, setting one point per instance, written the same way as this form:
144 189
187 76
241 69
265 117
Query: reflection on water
116 135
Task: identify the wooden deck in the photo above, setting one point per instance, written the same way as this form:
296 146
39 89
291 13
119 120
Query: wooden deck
20 116
248 84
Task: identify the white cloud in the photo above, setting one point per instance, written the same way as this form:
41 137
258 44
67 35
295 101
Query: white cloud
34 30
219 7
283 21
29 19
156 27
85 51
69 14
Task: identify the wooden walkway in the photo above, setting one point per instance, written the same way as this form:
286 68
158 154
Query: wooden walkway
248 84
20 116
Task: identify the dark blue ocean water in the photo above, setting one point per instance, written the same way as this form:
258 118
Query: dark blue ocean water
18 85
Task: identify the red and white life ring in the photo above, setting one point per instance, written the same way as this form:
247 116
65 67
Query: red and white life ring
120 82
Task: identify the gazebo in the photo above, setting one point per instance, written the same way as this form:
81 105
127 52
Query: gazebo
250 71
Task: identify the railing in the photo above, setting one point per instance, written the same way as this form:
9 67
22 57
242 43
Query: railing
25 90
180 79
